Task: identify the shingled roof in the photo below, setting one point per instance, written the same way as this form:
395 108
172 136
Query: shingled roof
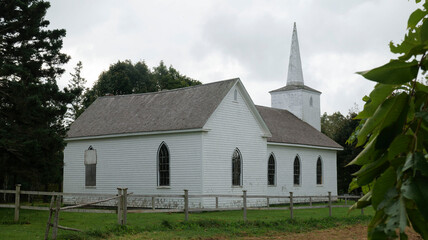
287 128
295 87
179 109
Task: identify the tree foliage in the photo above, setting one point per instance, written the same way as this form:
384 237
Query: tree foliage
394 132
339 128
76 86
31 105
127 78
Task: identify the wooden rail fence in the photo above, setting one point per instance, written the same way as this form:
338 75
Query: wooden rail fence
122 204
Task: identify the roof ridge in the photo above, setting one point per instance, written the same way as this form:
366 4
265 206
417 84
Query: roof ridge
170 90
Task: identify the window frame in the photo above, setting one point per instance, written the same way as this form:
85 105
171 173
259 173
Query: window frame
299 173
90 168
240 164
160 182
319 172
271 156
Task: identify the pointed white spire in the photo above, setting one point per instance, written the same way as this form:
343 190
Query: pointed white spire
295 73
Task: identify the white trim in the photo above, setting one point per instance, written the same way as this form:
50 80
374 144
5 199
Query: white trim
137 134
253 109
303 146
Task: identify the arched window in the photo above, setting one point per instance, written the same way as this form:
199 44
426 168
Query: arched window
296 171
319 171
271 170
163 165
235 95
236 168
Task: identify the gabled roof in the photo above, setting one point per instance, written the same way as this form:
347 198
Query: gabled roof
294 87
289 129
179 109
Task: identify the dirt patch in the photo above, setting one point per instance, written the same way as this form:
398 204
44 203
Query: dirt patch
349 232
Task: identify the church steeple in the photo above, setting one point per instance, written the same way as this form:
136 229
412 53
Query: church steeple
295 73
296 97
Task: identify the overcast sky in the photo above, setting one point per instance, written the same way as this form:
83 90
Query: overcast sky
216 40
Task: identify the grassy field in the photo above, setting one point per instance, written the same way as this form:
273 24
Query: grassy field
167 226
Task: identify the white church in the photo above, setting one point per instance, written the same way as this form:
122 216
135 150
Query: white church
208 139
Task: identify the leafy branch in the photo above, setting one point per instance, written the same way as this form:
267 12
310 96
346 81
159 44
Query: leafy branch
394 132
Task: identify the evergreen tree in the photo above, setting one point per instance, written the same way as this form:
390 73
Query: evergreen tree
32 107
77 87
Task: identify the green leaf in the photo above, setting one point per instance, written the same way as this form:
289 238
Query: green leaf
365 156
382 185
394 72
424 31
420 163
377 96
418 222
415 17
353 185
401 144
362 202
416 190
423 115
385 115
374 232
372 170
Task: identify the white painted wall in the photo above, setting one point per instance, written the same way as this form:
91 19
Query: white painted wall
132 162
284 156
232 126
298 103
311 114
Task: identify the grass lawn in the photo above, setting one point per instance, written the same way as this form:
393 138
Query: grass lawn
228 224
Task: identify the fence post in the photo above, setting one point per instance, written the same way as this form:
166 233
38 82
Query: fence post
119 207
329 204
267 202
244 196
125 204
346 200
153 203
17 201
48 225
291 205
186 204
310 201
56 218
216 202
362 209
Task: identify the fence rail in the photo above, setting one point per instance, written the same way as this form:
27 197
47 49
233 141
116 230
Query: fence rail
122 202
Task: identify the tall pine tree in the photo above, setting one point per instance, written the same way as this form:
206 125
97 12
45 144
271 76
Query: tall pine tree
32 107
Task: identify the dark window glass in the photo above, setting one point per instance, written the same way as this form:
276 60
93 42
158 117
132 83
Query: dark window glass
163 166
91 175
271 170
236 168
296 171
319 171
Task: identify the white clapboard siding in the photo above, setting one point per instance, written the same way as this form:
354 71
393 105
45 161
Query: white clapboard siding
132 162
232 126
284 157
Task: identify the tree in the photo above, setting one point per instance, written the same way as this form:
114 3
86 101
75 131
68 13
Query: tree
339 128
32 107
394 132
76 87
127 78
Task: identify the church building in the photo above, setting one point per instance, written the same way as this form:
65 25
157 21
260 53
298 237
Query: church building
208 139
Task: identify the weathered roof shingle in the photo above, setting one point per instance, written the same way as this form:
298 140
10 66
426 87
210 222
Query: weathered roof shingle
178 109
287 128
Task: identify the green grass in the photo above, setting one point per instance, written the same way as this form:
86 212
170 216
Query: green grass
228 224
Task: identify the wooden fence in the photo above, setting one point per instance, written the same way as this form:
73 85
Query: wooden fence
122 207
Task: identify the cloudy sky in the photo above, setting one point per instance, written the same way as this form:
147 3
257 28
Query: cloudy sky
217 40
